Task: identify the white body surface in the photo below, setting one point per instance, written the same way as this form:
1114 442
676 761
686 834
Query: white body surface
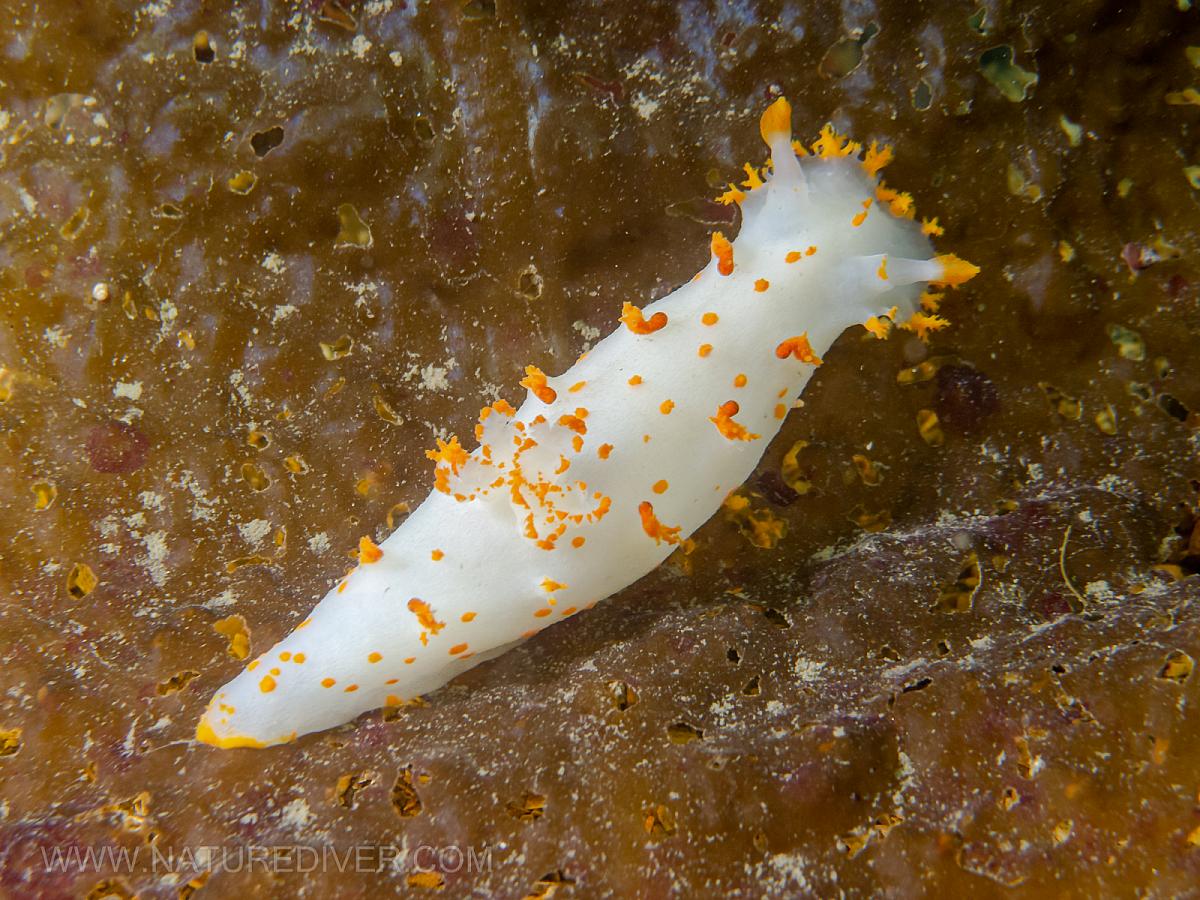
491 557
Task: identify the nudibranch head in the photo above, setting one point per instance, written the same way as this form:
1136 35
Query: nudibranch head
606 469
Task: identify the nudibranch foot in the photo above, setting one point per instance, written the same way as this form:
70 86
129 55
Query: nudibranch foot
604 470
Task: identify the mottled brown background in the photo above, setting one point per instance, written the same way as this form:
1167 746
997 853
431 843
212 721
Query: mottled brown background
807 717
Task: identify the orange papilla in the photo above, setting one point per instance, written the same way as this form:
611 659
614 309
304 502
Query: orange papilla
535 382
730 429
723 251
368 551
798 347
654 528
636 322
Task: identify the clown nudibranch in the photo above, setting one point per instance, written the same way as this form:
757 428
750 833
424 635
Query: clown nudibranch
606 469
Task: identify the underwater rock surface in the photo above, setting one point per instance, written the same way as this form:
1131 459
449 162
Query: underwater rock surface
253 257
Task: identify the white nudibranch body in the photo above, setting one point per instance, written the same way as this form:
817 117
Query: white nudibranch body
606 469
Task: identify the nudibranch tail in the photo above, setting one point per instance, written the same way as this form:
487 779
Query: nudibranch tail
606 469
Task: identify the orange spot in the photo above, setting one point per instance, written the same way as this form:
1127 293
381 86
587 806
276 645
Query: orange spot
704 350
409 660
577 443
468 617
351 688
645 438
391 681
549 585
578 542
577 387
798 347
437 555
424 614
723 251
341 587
304 624
761 285
604 451
635 380
780 411
457 649
740 380
660 486
368 551
299 658
709 318
575 423
374 657
285 656
535 382
638 324
793 256
655 528
666 406
267 684
732 430
542 613
810 251
392 700
327 682
882 273
569 610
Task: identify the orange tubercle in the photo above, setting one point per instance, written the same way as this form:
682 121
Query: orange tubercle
666 406
798 347
368 551
457 649
437 555
723 251
660 486
535 382
654 528
467 617
709 318
761 284
740 380
424 614
374 657
328 682
730 429
793 256
636 322
635 380
704 350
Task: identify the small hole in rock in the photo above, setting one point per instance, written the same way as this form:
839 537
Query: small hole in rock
775 617
202 48
263 142
752 687
733 656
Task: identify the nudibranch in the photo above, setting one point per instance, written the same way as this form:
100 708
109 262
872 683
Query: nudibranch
606 469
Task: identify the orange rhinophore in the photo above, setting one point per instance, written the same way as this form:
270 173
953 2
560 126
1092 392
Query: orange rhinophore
723 251
535 381
732 430
655 528
368 551
425 616
798 347
639 324
955 271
